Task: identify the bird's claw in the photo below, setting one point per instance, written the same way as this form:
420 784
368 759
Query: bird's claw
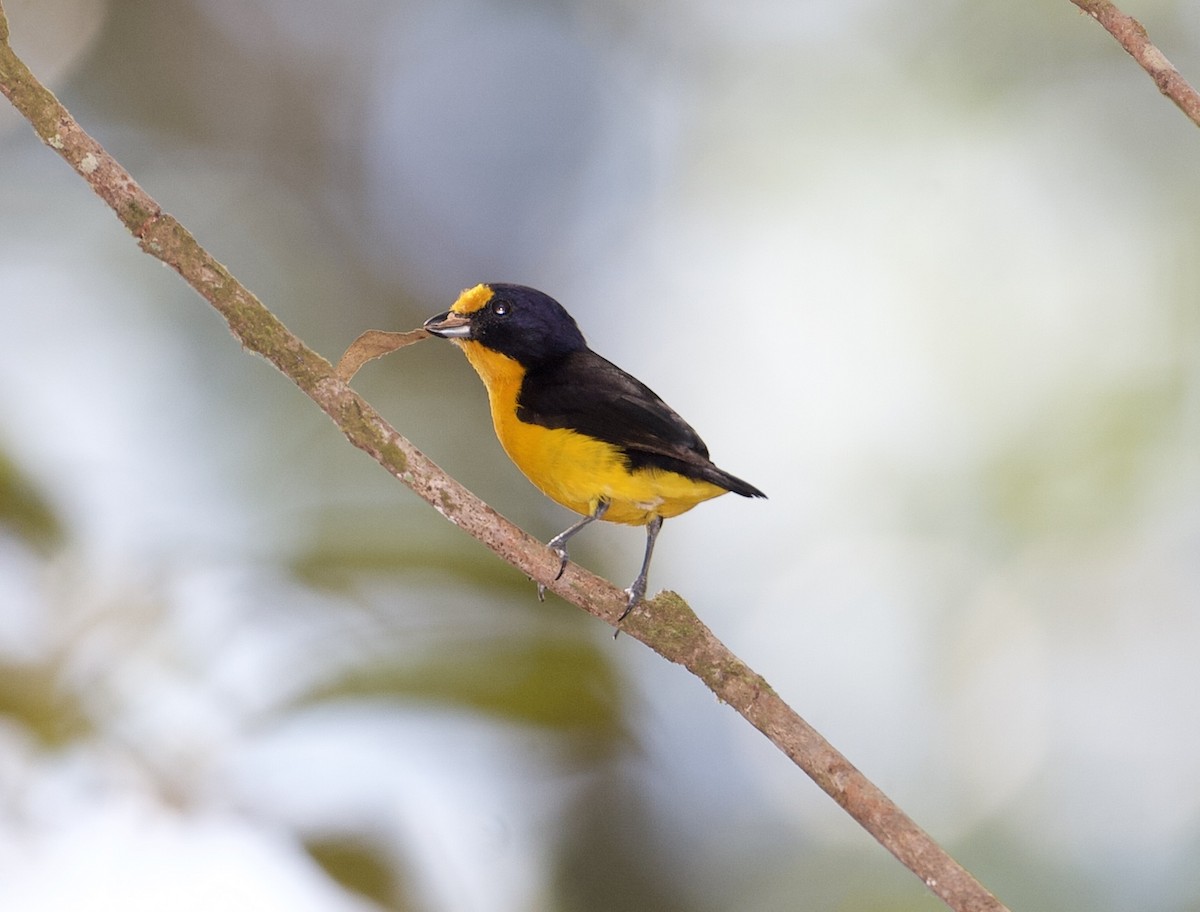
561 551
635 594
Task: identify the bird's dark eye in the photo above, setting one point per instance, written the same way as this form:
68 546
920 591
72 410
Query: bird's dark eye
500 308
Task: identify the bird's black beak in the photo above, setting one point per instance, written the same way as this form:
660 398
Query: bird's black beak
449 325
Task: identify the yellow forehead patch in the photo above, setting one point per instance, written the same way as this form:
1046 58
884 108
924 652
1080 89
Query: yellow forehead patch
472 299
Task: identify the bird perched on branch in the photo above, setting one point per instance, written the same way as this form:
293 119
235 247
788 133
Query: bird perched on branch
593 438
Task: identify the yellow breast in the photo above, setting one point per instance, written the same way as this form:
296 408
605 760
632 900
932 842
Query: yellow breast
575 470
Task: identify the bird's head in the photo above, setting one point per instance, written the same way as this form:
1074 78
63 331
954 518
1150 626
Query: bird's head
521 322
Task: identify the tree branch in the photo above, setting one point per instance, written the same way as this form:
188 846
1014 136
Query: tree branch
1132 36
667 626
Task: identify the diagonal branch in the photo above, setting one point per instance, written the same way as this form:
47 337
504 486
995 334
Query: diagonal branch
1132 36
668 626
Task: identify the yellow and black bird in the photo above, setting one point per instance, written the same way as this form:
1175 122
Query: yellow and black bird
590 436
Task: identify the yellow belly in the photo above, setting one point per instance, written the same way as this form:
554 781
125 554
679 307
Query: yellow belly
578 471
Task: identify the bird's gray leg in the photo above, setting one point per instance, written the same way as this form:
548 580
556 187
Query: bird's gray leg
558 544
638 589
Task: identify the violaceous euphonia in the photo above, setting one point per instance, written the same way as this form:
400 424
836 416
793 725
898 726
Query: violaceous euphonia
589 435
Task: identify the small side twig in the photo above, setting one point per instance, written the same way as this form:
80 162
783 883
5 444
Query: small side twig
668 625
1133 37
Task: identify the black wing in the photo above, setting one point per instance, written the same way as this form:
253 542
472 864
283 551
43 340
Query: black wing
589 394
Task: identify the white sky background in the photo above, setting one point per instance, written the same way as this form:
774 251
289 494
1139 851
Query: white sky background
878 295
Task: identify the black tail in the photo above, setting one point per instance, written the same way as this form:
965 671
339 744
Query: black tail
732 483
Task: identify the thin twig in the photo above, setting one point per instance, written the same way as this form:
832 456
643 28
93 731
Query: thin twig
667 625
1132 36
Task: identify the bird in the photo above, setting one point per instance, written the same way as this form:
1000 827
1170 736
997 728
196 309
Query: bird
590 436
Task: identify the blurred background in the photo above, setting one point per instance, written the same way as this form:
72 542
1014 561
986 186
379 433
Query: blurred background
926 275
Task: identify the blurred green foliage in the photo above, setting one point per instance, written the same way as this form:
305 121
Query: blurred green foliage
560 683
35 696
361 867
1084 465
25 512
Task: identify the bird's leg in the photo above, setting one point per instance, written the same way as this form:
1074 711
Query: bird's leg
638 588
558 544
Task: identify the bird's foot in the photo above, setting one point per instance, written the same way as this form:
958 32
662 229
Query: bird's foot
560 549
637 588
636 594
